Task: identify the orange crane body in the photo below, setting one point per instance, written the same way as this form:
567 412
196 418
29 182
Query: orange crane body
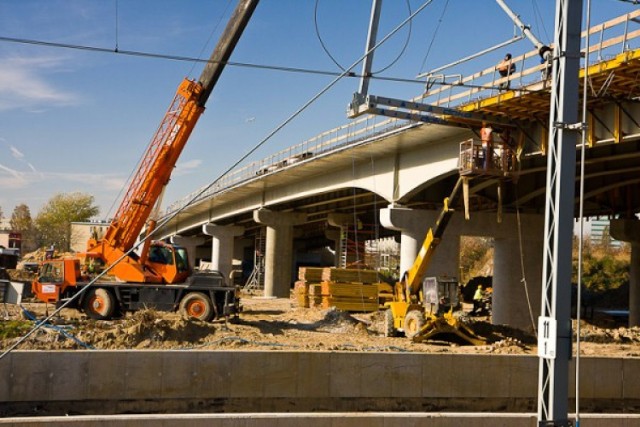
147 184
159 276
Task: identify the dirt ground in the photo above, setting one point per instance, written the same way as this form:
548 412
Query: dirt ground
279 325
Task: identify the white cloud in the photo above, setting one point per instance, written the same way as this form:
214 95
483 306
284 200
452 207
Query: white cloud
11 178
16 153
23 84
184 168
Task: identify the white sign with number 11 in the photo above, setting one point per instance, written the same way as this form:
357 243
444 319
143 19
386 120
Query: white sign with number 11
547 332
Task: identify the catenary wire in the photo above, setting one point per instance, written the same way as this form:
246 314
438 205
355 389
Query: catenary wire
196 60
335 61
232 63
203 190
581 215
433 38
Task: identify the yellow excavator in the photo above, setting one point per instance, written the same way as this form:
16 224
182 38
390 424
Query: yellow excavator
424 308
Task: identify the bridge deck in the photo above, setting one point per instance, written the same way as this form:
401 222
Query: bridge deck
614 77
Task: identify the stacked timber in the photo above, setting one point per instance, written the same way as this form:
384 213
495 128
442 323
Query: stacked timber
345 289
349 275
310 274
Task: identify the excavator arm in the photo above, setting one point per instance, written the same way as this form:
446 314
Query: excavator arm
160 158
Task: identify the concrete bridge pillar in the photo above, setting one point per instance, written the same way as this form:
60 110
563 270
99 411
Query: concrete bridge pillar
222 246
628 230
189 243
510 303
334 235
513 303
413 225
279 249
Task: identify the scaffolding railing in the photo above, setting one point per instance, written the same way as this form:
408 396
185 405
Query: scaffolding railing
615 36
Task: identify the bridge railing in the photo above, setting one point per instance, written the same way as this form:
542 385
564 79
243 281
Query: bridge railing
613 37
357 130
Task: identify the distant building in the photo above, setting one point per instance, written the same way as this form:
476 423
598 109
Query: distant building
81 232
600 232
8 238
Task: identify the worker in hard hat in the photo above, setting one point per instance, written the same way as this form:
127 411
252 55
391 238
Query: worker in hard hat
477 299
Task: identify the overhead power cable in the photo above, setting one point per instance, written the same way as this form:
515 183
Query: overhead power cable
335 61
141 54
433 38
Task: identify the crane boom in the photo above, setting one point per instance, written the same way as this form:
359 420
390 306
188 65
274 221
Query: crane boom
155 169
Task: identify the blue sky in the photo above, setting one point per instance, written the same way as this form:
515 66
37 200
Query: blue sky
73 120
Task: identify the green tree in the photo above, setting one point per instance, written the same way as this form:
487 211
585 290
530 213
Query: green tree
53 222
22 223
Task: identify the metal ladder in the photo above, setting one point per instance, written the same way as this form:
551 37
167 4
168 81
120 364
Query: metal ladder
256 279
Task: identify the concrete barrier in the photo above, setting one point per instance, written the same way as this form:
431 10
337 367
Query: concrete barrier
119 382
375 419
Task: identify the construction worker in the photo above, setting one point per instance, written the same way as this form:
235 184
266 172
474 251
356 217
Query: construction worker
486 136
506 68
477 299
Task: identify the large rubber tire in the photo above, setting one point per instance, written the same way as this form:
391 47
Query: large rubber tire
387 325
413 323
197 305
99 304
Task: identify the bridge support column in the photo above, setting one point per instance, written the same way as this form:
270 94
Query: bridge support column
512 303
628 230
413 225
222 246
189 243
279 249
334 236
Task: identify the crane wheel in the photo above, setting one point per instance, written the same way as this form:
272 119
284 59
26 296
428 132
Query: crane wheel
388 324
196 305
413 323
99 304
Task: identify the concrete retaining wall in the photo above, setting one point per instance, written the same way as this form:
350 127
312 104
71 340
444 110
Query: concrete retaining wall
116 382
317 420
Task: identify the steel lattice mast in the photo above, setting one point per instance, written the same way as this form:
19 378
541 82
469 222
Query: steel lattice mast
554 330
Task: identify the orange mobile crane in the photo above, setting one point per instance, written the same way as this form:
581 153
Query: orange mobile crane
159 276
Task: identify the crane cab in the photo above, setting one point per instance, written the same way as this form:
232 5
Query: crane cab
55 277
169 261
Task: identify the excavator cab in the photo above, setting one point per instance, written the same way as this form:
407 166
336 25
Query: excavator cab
440 295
